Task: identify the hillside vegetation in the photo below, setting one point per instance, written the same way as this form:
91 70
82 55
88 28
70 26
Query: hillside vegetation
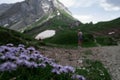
61 22
11 36
93 34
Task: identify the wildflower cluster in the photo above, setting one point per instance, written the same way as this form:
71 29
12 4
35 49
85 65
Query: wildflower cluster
13 57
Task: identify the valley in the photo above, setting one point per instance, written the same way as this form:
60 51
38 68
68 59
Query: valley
39 41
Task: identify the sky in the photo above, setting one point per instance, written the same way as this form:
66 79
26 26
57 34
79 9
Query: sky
89 10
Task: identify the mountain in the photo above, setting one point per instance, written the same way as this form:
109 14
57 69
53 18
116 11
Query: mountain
110 28
100 34
103 27
21 16
4 7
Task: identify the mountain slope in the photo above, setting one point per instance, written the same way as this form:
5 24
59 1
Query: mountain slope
102 28
11 36
23 15
4 7
93 34
61 22
109 28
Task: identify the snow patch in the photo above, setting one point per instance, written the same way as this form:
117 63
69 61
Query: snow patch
111 33
45 34
45 6
6 25
58 13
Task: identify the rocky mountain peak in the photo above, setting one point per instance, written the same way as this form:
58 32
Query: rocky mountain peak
22 14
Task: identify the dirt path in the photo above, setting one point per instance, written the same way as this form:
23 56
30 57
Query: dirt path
109 56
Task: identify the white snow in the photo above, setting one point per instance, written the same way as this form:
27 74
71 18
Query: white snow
58 13
45 6
45 34
6 25
111 33
37 20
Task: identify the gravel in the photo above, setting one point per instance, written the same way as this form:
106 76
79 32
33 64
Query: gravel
109 56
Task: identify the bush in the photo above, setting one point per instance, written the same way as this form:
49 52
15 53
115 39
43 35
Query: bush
105 40
87 37
96 69
70 38
11 36
64 38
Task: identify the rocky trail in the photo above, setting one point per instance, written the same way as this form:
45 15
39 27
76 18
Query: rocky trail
109 56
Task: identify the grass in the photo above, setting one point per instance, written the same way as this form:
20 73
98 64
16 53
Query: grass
64 38
105 41
69 38
88 52
36 24
63 21
33 74
91 70
10 36
66 32
94 70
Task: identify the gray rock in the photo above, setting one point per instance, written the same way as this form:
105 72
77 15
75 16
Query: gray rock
27 12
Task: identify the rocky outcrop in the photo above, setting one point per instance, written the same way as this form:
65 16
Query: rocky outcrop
27 12
4 7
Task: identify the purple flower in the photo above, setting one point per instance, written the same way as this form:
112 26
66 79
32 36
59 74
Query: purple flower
78 77
22 62
4 49
69 69
63 70
13 50
27 57
8 55
10 45
2 57
57 66
20 49
21 45
35 56
36 52
32 65
31 49
23 56
8 66
26 63
47 61
43 65
56 71
1 50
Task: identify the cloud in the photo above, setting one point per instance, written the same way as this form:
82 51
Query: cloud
78 3
109 6
93 10
68 3
94 18
83 18
10 1
114 2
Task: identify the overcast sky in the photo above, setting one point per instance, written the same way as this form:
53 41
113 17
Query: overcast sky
89 10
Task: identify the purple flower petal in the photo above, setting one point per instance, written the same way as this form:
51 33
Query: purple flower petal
8 66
